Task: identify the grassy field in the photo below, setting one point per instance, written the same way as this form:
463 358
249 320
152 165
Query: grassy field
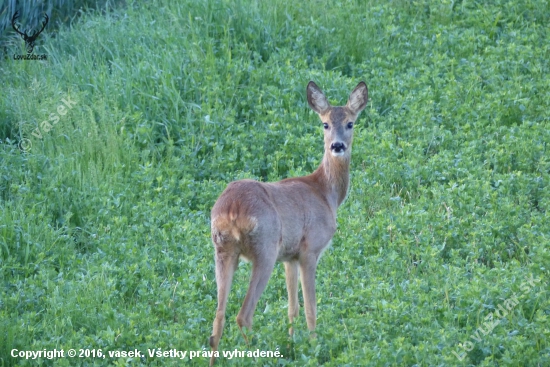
114 150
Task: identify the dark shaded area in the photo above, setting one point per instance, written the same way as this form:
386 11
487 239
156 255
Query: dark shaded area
31 15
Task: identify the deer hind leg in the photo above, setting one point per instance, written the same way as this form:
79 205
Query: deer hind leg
291 272
262 267
226 264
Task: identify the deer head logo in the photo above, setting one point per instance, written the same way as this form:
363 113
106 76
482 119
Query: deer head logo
29 39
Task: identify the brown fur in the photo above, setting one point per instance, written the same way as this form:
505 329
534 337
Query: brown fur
292 220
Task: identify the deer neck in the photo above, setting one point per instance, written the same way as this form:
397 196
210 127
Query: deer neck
333 175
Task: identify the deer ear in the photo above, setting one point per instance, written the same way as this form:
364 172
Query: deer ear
358 98
316 99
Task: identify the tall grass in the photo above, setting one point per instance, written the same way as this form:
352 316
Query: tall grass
104 226
31 16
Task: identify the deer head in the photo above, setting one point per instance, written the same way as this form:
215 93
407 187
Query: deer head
338 121
29 39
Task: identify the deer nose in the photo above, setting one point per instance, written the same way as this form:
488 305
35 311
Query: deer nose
337 147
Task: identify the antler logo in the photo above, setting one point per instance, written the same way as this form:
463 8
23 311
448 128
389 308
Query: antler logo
29 39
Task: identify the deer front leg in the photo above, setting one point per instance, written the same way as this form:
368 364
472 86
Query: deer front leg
291 272
308 267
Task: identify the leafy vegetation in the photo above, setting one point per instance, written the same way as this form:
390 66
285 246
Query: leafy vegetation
104 220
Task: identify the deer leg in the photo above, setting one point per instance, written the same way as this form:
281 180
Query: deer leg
226 264
262 267
308 267
291 272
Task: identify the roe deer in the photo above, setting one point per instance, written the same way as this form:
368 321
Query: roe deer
292 220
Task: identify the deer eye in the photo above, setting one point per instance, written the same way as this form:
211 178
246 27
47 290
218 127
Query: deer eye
350 125
325 125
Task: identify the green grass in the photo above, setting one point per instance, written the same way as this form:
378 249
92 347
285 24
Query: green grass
104 221
31 16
